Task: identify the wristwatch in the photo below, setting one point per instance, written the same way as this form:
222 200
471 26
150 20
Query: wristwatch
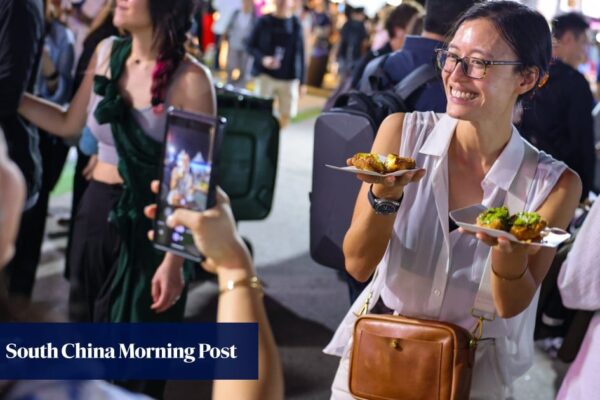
383 206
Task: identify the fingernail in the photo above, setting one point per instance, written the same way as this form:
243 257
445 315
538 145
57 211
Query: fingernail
170 221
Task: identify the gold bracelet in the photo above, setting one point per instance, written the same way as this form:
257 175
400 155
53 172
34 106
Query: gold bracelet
522 274
250 282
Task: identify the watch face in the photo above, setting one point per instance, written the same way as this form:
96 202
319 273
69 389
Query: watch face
386 207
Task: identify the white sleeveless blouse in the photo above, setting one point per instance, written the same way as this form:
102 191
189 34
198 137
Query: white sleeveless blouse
431 273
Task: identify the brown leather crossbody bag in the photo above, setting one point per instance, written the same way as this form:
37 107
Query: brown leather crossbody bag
395 357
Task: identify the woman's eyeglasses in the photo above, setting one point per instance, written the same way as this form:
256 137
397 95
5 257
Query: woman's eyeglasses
472 67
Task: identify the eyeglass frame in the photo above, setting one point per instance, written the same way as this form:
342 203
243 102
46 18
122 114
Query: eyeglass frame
464 66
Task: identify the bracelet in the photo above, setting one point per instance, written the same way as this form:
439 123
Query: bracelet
522 274
250 282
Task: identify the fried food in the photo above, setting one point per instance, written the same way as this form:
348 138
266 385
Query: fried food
527 226
394 162
494 218
372 162
368 162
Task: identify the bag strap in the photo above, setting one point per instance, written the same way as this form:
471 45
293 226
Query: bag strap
516 197
415 80
374 74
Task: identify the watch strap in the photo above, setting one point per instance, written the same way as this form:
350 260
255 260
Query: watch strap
376 202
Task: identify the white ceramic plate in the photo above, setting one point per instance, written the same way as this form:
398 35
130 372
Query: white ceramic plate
466 218
355 170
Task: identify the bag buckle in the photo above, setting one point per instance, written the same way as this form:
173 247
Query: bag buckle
477 331
365 307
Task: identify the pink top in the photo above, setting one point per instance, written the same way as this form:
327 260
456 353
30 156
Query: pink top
579 284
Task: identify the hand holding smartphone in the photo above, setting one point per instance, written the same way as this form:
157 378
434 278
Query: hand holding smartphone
188 176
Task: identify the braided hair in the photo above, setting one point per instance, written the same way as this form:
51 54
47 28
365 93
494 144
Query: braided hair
171 21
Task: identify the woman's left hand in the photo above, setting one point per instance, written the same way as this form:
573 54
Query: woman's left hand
167 284
503 244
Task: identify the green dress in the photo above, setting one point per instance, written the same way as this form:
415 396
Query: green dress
139 164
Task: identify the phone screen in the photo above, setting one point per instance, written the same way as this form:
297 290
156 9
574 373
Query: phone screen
188 170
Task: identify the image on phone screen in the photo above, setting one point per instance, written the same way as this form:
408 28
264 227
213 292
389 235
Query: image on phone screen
187 178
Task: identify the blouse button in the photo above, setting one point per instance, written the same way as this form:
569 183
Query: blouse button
436 292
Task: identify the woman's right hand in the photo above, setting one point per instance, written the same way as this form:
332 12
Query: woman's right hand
390 187
214 233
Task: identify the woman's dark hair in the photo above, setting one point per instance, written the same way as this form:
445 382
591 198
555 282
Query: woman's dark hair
171 20
400 17
524 30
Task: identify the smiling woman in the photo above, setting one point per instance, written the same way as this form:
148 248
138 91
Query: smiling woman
471 155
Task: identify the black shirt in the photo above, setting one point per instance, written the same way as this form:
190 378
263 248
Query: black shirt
21 35
282 38
558 120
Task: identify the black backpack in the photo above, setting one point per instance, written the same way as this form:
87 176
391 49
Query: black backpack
249 152
348 128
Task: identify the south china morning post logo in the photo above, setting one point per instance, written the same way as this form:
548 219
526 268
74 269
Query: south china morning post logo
129 351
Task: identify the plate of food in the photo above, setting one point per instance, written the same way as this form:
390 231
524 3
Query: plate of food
522 227
378 165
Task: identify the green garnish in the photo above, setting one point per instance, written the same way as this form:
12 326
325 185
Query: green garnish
524 218
493 214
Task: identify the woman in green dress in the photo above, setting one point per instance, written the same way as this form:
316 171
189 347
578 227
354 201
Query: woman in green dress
116 274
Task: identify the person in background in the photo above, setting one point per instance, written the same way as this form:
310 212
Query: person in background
19 61
380 36
12 200
579 284
398 25
116 274
54 83
80 17
559 120
353 41
102 27
238 30
225 10
277 45
598 80
304 14
427 268
320 44
21 44
418 50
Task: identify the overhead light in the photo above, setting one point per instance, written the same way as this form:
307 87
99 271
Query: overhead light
394 2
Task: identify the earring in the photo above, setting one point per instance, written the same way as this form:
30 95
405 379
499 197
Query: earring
543 80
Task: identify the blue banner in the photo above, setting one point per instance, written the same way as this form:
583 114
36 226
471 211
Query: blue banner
198 351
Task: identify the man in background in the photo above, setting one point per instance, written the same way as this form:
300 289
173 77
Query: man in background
277 45
418 50
558 118
21 40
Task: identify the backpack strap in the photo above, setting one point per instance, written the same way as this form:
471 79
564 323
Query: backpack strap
415 80
374 74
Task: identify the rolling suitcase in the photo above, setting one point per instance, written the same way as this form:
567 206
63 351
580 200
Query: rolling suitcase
348 128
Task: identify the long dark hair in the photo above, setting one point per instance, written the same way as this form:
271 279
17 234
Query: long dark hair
171 20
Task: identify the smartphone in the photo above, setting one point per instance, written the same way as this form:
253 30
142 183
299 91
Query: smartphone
188 176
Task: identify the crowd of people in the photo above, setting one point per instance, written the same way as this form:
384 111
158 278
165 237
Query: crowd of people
100 74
